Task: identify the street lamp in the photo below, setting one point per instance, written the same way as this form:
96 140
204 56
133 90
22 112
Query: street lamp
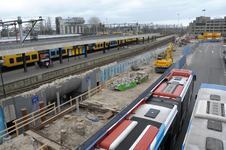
1 64
178 19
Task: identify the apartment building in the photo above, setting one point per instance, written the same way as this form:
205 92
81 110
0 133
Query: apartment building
206 24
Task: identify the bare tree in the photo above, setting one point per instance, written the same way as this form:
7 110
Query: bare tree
94 20
48 25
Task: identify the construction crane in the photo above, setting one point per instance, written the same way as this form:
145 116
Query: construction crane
164 61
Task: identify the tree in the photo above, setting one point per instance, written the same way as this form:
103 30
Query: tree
48 25
41 27
94 20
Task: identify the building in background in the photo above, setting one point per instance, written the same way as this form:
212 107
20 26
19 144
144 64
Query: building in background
206 24
69 25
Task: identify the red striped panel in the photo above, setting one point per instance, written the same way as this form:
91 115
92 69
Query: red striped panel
113 135
159 89
147 139
178 91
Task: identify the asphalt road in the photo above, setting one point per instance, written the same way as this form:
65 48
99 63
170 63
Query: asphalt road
209 67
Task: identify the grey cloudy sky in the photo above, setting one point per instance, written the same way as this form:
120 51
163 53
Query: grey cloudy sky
116 11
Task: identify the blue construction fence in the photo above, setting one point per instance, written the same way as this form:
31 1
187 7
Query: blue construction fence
210 41
189 49
114 69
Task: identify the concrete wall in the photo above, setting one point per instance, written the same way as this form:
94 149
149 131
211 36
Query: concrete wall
20 102
94 77
12 106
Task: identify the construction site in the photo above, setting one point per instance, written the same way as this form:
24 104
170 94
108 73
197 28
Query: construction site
67 125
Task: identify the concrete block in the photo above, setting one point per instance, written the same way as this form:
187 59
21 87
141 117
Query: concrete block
12 86
69 69
82 65
39 77
59 72
34 79
27 82
108 115
51 75
45 76
78 66
88 63
20 84
1 88
65 70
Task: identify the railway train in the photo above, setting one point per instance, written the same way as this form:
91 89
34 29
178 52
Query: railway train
207 126
152 122
115 33
31 57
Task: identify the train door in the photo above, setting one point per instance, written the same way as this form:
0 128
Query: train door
83 49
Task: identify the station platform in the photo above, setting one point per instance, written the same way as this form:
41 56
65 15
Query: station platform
34 74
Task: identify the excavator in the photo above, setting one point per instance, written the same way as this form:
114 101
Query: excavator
164 61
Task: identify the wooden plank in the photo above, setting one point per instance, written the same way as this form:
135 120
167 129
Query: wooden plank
43 140
42 124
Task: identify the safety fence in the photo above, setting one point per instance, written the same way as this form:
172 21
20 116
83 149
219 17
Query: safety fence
116 68
189 49
210 41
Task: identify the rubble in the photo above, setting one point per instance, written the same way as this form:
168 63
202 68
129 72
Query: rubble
123 81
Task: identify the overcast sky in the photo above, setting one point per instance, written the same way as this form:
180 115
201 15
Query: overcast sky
115 11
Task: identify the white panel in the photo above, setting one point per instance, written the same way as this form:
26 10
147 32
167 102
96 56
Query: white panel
201 112
6 113
12 112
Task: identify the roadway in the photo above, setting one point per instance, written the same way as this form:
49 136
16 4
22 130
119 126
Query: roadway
207 63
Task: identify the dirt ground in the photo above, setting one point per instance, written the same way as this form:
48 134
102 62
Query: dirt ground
76 128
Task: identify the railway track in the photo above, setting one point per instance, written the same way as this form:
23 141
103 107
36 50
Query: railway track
78 71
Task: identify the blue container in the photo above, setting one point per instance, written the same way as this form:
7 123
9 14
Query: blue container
109 71
105 74
2 125
112 71
102 75
115 70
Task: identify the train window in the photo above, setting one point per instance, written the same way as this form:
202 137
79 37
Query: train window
27 57
53 53
98 45
34 56
101 45
19 59
11 60
63 51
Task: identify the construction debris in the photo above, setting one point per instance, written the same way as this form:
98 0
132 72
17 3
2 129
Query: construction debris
108 115
124 83
135 68
140 76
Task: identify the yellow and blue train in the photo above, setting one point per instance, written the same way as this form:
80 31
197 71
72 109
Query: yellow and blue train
17 59
117 33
